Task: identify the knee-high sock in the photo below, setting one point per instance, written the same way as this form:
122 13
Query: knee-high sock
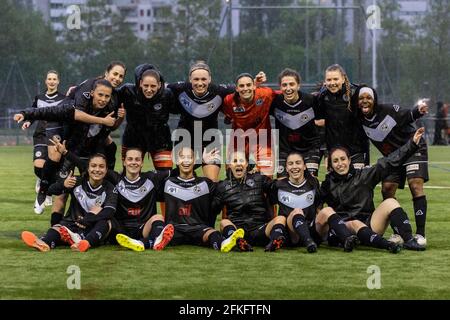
338 225
420 214
400 223
97 233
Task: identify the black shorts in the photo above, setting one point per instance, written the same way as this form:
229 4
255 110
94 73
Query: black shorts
415 167
54 130
257 236
186 234
311 157
132 231
359 160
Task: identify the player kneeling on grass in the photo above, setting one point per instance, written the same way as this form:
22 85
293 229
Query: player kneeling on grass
349 195
93 203
188 201
244 198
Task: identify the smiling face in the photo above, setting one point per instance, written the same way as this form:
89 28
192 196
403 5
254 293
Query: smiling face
101 96
238 164
289 88
334 80
97 170
366 103
200 80
115 75
52 82
185 161
245 88
133 163
340 162
295 168
149 86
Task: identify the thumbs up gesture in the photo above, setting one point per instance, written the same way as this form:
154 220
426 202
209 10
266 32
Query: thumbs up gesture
70 181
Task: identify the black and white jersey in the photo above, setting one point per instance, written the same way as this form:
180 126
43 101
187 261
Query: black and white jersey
342 126
297 130
188 202
204 109
289 196
84 198
137 199
390 127
45 100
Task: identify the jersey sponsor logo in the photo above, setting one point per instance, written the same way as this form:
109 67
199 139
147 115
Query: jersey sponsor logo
134 212
294 122
186 194
382 130
87 202
157 106
250 183
238 109
259 102
412 167
135 195
296 201
185 210
199 110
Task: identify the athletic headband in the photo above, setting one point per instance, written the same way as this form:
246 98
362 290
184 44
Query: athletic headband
242 75
199 66
366 90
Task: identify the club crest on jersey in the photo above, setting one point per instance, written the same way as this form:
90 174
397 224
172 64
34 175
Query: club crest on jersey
98 201
250 182
310 198
38 154
285 199
305 117
197 189
143 189
87 95
280 169
345 98
157 106
259 102
238 109
210 106
384 127
63 174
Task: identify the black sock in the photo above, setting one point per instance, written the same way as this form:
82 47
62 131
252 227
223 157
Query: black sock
110 153
215 239
48 174
278 230
420 213
51 237
371 239
38 172
301 227
400 223
338 225
55 218
97 233
157 227
228 230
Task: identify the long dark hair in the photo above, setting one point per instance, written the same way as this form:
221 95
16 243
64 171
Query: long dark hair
308 176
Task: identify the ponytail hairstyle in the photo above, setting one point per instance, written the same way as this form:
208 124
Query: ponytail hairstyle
112 64
53 71
200 64
348 93
151 73
101 82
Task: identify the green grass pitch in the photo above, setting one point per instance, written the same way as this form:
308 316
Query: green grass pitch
187 272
